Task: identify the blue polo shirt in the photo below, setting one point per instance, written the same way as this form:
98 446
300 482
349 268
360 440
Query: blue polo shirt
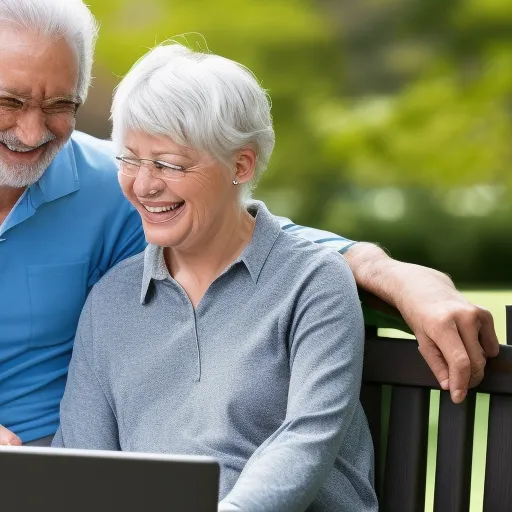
64 233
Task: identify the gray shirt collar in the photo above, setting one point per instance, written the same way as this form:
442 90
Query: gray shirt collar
254 255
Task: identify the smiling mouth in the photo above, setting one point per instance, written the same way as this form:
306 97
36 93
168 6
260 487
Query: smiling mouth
163 209
163 213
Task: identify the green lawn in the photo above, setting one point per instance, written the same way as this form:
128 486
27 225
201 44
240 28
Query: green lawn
495 302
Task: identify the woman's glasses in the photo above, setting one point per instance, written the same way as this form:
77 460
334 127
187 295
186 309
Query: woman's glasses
130 166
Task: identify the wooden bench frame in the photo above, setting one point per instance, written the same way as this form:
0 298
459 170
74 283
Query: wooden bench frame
398 363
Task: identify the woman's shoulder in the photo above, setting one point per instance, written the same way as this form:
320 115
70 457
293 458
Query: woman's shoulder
310 264
311 260
301 252
292 254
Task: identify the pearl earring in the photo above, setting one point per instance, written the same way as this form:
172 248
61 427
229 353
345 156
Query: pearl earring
235 182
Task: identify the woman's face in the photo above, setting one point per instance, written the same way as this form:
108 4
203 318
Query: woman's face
195 207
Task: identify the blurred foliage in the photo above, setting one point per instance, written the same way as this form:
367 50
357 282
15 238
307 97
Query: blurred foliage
393 117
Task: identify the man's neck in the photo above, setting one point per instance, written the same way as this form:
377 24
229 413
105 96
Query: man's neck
8 198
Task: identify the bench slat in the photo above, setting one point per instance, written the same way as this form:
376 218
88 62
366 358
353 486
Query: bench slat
498 473
406 459
396 361
454 453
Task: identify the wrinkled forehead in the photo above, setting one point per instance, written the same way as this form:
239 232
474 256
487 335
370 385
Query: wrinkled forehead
33 66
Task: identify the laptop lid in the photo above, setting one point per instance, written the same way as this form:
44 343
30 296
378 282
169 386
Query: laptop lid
63 480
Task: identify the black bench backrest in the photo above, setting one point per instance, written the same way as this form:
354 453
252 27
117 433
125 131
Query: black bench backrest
398 363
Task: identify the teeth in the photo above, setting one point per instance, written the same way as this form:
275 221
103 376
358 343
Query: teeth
159 209
18 150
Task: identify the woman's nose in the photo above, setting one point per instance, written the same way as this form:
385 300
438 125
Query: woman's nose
145 184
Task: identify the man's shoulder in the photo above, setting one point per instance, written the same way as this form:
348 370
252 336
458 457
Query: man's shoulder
94 158
93 146
96 168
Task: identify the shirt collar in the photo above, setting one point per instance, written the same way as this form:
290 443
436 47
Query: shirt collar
154 268
254 255
59 180
265 234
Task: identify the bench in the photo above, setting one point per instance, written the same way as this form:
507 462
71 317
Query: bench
401 476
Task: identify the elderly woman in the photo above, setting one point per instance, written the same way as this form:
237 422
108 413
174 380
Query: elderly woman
228 337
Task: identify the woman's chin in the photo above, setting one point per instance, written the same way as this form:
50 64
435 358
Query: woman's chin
156 235
161 239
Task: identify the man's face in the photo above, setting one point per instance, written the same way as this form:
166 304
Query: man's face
38 84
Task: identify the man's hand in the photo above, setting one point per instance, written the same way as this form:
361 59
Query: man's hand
455 337
8 438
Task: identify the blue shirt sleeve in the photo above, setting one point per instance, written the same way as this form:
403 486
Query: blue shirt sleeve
123 237
318 236
130 238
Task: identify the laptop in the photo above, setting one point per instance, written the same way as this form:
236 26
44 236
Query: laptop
67 480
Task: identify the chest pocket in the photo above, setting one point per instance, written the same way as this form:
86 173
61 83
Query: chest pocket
57 296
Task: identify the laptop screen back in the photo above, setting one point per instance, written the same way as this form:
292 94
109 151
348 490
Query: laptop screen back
61 480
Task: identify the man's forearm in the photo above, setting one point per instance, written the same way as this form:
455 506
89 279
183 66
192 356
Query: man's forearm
454 336
375 272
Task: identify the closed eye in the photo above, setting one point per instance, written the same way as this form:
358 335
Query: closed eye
8 102
159 164
60 107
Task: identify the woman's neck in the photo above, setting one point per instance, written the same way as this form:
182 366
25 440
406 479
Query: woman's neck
196 268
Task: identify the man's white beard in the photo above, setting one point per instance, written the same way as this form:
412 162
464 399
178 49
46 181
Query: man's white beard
21 175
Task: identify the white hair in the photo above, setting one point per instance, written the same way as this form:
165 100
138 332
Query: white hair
200 100
55 19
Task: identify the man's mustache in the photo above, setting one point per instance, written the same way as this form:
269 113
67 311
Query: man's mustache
13 141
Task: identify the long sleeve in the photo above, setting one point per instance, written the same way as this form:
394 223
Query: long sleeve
86 417
326 352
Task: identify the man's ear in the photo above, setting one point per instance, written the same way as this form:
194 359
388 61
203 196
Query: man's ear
245 165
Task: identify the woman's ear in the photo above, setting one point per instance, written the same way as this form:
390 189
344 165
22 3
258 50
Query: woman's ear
245 165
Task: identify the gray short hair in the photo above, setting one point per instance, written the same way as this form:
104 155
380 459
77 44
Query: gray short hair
55 19
201 100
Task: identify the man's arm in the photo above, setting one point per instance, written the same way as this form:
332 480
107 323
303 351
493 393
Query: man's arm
454 336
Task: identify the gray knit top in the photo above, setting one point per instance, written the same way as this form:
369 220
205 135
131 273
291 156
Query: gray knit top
264 375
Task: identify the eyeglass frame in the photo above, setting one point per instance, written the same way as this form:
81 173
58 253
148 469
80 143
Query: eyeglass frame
131 160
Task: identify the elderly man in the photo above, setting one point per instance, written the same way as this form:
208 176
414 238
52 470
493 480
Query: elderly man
64 223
